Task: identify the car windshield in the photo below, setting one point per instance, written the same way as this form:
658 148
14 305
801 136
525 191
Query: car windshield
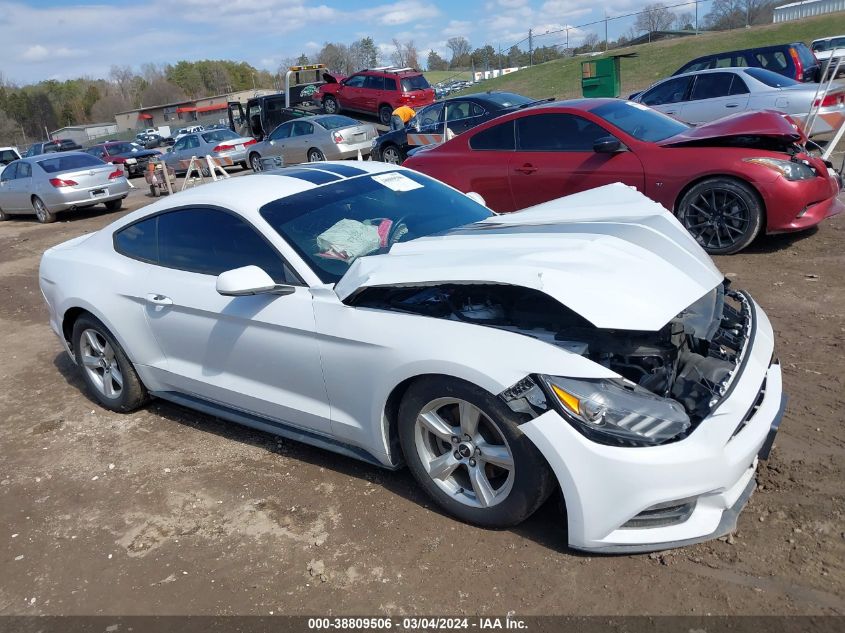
69 162
640 121
826 45
331 226
219 135
773 80
414 82
335 122
507 99
120 148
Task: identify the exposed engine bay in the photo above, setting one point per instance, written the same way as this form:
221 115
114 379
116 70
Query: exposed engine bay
690 360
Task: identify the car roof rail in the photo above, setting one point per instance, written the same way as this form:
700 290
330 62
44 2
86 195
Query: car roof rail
390 69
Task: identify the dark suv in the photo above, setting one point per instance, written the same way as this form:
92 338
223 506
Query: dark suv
376 91
794 60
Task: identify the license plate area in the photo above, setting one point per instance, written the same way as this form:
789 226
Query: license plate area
99 193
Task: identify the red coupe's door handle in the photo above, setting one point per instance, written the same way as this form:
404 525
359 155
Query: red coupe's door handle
527 168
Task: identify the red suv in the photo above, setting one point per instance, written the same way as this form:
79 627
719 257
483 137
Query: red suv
376 91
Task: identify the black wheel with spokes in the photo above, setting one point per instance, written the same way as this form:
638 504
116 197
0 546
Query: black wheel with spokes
723 215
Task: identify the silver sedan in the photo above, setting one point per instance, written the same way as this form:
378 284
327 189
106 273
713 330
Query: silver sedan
706 95
48 183
315 138
228 148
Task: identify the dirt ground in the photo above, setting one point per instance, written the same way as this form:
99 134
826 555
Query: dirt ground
167 511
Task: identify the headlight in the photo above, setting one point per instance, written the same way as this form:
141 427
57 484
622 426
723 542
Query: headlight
790 170
613 412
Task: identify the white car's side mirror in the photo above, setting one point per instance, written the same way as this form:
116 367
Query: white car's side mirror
249 280
477 197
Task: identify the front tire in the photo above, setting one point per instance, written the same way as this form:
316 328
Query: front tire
466 450
44 215
255 162
107 371
3 215
724 215
330 105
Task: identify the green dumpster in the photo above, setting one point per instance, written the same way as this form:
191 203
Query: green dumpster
601 78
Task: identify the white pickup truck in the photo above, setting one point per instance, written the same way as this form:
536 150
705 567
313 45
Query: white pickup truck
7 155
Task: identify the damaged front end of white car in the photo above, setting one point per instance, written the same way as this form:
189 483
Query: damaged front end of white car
659 452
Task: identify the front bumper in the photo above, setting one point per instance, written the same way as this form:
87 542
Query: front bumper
799 205
604 487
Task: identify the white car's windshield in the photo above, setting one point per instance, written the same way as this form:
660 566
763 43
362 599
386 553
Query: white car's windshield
331 226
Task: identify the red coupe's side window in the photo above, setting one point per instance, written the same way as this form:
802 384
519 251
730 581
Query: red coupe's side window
497 138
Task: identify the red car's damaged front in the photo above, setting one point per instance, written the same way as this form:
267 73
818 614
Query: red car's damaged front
727 181
799 190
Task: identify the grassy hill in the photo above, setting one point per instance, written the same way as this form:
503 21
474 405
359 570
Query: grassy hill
562 78
435 76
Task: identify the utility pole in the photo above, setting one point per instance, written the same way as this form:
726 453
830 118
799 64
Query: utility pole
747 13
500 60
696 17
530 47
605 31
567 40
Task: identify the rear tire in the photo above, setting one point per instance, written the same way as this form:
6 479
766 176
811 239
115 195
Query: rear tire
3 215
107 371
154 191
384 114
724 215
44 215
114 205
330 105
485 472
315 155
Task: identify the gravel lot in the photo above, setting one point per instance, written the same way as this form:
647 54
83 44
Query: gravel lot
168 511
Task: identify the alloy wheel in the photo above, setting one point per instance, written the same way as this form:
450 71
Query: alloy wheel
464 452
717 218
315 156
255 161
100 364
391 155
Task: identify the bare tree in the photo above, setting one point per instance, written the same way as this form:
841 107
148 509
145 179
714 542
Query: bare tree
397 57
122 77
732 14
411 55
655 17
685 22
460 49
335 56
162 91
590 42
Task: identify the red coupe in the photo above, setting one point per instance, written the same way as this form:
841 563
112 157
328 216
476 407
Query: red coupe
726 181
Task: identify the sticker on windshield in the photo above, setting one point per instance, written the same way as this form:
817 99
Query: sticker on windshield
396 181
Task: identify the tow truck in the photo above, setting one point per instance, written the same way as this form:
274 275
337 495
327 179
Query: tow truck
263 114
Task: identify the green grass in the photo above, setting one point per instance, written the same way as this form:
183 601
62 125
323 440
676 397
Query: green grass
562 78
435 76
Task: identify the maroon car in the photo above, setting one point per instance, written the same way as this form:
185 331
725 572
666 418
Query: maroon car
726 181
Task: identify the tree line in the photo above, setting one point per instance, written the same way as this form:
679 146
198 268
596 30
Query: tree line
28 113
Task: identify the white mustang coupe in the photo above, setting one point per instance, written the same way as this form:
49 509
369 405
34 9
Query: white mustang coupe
586 345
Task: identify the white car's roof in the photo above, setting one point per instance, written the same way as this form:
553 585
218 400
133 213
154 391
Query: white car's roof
247 194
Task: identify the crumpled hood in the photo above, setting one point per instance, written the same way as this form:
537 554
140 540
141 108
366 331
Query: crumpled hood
758 123
610 254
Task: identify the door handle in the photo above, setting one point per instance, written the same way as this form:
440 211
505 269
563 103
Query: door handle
670 112
159 300
731 105
527 169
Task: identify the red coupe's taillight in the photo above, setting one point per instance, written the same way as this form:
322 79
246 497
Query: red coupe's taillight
799 67
337 137
59 182
117 173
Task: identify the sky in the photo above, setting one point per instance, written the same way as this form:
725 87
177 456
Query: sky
63 39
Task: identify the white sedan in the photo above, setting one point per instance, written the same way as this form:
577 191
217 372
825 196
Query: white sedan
586 345
706 95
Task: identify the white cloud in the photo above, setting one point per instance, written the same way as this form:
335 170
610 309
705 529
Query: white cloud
401 12
35 53
457 27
